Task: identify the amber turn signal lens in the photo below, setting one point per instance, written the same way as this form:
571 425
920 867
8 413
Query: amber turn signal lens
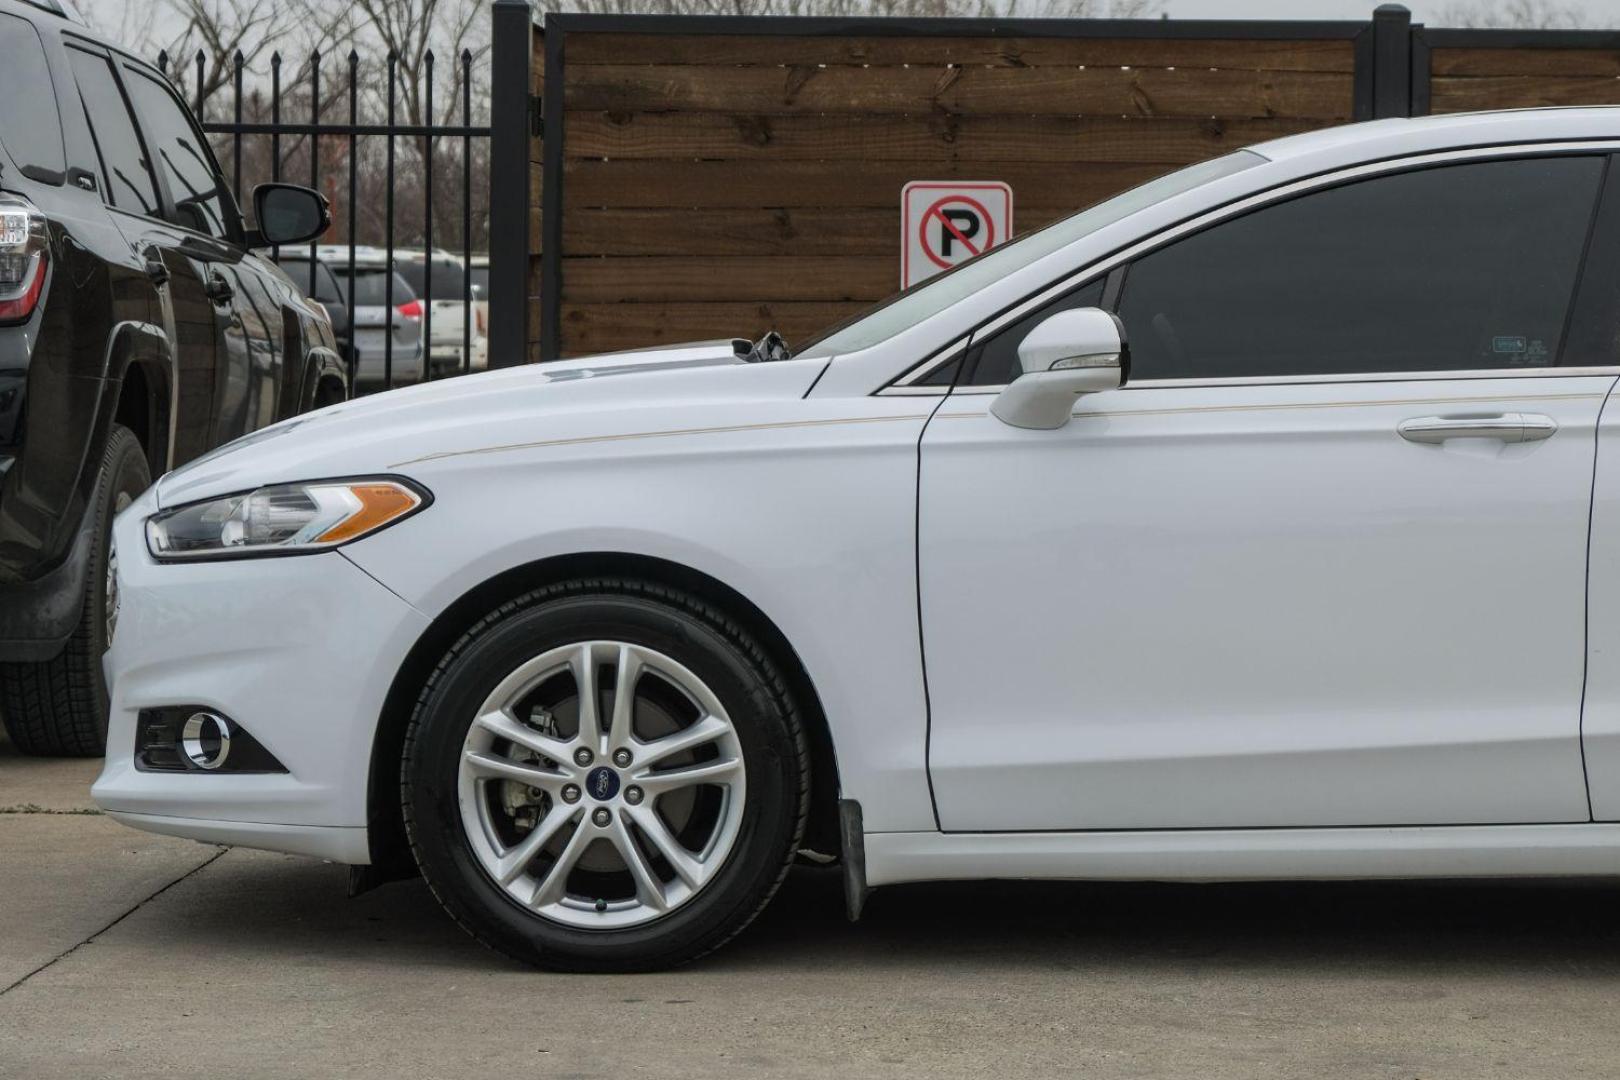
380 503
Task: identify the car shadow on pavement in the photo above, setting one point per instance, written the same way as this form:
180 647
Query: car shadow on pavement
260 903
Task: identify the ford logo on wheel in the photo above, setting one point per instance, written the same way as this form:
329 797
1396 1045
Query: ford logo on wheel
603 783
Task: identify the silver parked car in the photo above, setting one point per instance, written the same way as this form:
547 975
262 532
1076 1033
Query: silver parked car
374 319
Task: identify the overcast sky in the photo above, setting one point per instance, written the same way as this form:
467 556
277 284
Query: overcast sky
1593 13
1596 12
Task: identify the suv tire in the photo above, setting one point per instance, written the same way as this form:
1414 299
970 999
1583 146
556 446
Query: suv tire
684 633
59 708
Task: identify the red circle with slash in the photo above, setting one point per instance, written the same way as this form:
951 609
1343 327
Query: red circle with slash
937 212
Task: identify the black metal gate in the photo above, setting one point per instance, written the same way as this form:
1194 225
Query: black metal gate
262 140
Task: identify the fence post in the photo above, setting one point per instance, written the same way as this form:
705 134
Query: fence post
511 91
1392 61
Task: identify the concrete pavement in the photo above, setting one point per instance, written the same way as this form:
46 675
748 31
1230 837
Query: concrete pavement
136 956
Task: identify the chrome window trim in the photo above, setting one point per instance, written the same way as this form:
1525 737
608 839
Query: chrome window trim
913 391
1441 375
1083 276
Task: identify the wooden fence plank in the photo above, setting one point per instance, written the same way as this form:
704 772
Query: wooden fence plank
762 51
1454 94
742 231
737 277
995 91
926 137
1539 63
593 328
841 184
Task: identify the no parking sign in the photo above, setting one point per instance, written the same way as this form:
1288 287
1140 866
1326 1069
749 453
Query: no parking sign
944 222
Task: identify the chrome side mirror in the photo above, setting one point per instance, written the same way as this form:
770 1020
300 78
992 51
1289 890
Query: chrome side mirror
1075 352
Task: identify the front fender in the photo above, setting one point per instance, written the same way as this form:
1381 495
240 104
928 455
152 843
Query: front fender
810 518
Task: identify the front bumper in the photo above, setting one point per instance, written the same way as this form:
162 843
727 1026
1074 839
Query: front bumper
299 651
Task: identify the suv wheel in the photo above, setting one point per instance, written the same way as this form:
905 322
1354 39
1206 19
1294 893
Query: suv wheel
59 707
605 776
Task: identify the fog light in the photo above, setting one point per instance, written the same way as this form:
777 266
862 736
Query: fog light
195 738
206 740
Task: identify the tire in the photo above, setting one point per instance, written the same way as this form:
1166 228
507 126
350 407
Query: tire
59 708
766 822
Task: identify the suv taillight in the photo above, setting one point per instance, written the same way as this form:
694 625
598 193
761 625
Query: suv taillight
24 251
411 309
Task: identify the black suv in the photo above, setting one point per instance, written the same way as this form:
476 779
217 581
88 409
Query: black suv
137 330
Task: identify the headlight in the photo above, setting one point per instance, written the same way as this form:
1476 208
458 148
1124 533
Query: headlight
288 519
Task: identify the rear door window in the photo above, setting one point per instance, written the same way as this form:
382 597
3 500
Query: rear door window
30 126
183 158
126 179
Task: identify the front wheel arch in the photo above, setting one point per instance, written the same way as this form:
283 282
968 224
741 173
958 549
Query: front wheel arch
390 854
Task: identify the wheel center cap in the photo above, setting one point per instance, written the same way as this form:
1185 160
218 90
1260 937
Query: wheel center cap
602 782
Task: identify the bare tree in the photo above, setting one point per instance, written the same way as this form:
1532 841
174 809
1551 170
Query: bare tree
223 30
1517 14
414 30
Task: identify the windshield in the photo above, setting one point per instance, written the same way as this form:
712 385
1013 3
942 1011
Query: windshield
905 310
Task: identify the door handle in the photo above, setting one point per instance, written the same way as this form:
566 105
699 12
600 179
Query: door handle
1505 427
219 290
156 269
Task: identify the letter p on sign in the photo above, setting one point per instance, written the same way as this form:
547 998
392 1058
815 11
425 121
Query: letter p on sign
944 222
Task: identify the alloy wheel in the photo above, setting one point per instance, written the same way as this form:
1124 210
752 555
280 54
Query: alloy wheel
601 785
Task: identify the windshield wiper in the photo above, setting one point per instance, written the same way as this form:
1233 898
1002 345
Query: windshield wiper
770 347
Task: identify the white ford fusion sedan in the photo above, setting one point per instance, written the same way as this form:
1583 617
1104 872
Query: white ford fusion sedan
1259 522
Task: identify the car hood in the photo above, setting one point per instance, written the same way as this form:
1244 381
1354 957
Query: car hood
613 394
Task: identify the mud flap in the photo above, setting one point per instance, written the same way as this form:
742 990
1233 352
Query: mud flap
853 838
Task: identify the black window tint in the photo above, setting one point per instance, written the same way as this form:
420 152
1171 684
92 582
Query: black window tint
944 374
1594 325
1454 268
181 155
126 180
30 127
996 361
480 282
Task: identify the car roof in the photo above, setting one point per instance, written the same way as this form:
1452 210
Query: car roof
1375 140
63 8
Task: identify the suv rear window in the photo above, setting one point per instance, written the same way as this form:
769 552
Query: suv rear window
30 126
371 285
447 278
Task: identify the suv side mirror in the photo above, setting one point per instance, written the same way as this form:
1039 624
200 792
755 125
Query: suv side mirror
288 214
1081 351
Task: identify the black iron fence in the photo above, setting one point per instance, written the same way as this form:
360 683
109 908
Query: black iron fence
324 129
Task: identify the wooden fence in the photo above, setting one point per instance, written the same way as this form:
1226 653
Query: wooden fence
723 176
